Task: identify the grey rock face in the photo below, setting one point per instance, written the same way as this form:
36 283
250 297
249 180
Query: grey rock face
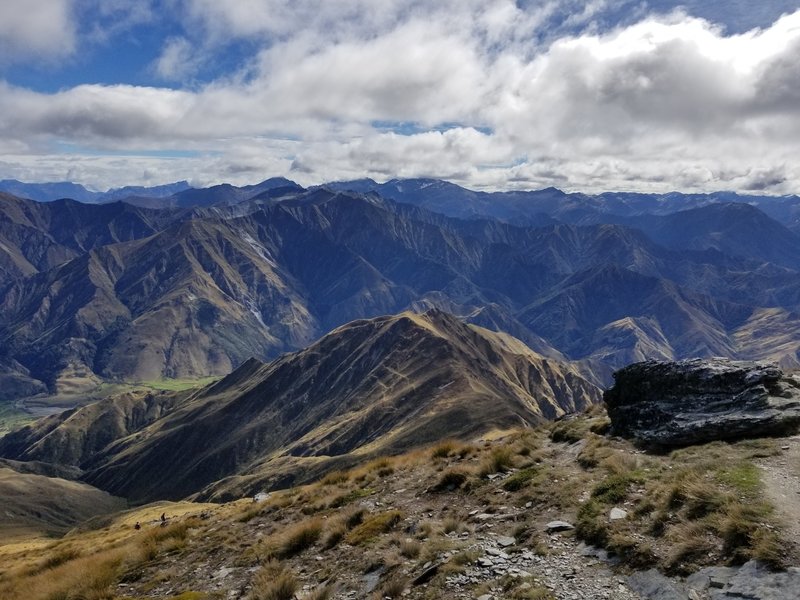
696 401
751 580
652 585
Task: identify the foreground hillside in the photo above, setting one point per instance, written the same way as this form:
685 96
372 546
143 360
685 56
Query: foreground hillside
369 388
456 520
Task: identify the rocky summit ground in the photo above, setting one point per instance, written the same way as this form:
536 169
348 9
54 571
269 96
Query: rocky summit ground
561 511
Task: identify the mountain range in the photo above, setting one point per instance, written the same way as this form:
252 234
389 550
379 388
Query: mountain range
119 292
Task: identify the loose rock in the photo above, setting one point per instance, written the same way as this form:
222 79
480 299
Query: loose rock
556 526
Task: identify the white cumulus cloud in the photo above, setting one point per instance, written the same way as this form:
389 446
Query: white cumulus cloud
36 29
488 93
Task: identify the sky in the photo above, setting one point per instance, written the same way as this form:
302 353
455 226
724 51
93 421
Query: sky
592 96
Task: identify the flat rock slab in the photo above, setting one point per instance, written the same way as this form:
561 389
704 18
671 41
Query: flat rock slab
505 542
697 401
556 526
652 585
751 581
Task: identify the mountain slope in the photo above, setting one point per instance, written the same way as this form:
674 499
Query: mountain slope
735 229
370 387
35 505
35 237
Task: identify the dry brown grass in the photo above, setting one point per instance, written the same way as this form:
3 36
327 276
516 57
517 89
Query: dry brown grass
410 548
82 578
394 587
444 449
374 526
500 459
298 538
273 582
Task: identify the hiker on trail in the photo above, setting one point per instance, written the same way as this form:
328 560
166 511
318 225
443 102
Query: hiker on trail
163 517
137 527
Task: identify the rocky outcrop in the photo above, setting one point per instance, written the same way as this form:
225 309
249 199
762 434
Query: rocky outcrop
752 580
696 401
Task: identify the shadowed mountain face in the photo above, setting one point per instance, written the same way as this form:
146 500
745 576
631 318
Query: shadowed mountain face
369 387
119 292
34 505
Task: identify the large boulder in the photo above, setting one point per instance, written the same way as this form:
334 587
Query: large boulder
695 401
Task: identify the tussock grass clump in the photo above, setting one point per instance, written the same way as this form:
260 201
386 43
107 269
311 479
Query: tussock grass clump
373 527
691 544
636 553
450 480
410 548
613 488
696 497
58 558
520 479
176 531
250 512
350 497
335 478
394 587
273 582
500 459
443 449
453 525
569 430
465 557
355 518
298 538
84 578
333 537
591 524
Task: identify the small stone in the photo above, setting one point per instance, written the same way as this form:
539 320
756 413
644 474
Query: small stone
617 514
486 597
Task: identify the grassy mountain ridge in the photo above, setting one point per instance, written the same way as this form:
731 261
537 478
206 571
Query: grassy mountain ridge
370 387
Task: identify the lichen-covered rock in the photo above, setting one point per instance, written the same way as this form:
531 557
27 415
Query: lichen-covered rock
696 401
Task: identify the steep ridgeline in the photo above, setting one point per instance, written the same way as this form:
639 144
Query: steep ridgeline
551 204
191 292
368 388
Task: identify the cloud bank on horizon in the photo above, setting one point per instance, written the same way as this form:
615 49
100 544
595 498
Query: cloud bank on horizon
495 94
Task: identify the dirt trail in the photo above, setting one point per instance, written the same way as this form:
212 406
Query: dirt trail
781 477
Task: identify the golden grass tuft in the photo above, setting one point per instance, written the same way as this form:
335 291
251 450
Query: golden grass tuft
500 459
298 538
374 526
273 582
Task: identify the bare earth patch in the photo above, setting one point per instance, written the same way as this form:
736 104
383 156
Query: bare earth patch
781 478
